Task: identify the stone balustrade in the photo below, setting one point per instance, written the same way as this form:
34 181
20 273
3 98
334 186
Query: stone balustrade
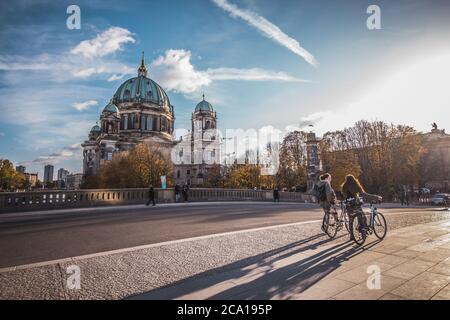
58 199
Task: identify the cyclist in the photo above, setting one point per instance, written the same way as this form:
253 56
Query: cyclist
352 190
325 195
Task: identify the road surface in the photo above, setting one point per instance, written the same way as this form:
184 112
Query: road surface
48 235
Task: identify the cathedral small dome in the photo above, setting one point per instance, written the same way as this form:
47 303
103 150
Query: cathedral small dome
204 106
111 108
96 129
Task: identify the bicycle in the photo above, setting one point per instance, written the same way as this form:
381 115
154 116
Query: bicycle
334 222
377 225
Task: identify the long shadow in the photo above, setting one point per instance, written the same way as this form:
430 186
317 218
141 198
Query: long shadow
299 275
296 277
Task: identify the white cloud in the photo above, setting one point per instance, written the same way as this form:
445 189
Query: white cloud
107 42
61 68
80 106
68 152
267 28
253 74
115 77
175 72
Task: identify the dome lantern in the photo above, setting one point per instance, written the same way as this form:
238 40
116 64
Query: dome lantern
142 70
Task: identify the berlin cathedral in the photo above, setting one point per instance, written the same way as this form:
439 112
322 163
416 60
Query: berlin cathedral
140 112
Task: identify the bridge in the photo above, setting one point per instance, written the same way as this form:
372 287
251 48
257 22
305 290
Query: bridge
57 199
211 248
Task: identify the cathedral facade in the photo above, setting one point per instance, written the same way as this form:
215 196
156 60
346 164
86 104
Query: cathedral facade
140 112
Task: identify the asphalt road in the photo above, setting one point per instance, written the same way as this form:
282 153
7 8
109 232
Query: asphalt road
41 236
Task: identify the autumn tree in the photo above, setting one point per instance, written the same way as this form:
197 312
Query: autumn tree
10 179
214 177
384 156
138 168
292 161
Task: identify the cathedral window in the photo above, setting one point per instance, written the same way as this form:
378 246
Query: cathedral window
136 121
149 123
125 122
131 121
143 122
163 124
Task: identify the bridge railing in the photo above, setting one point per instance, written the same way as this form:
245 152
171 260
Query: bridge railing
58 199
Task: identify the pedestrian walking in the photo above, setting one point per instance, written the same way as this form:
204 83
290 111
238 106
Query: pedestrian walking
185 192
276 195
151 196
177 192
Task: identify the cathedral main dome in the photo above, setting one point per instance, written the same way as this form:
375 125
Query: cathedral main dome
142 89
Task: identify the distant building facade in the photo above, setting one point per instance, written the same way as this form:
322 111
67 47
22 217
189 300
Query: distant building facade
62 177
48 173
32 179
437 142
73 181
20 169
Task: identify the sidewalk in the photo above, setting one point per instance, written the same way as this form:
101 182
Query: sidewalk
414 264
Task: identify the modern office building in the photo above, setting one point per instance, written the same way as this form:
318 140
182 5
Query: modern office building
48 173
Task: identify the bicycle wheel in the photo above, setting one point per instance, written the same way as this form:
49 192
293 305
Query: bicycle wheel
330 225
346 222
359 235
379 226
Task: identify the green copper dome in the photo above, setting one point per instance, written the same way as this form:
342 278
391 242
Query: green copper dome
96 129
111 108
142 89
204 106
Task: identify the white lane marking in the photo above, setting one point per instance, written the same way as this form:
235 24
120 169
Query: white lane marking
130 249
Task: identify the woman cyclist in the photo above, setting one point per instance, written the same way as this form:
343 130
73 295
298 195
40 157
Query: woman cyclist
352 190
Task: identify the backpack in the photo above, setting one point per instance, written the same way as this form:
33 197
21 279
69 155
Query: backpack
322 193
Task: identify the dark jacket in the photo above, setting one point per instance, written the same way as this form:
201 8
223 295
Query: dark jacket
331 196
276 193
151 192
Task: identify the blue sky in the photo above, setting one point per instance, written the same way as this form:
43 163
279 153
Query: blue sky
245 55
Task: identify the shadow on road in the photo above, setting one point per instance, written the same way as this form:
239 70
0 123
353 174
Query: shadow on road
294 277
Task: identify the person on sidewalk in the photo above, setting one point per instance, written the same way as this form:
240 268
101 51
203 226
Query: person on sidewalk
185 191
276 195
352 189
325 195
151 196
177 192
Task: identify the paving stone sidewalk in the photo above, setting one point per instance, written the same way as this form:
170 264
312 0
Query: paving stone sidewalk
414 263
